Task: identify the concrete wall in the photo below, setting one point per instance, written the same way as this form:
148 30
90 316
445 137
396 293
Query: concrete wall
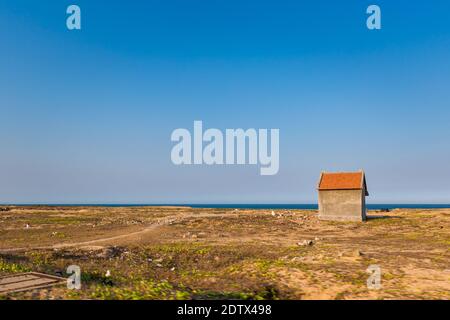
347 205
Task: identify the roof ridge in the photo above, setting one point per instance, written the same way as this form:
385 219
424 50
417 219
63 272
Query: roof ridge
344 180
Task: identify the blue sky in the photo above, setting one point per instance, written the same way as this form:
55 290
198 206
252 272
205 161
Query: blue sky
86 116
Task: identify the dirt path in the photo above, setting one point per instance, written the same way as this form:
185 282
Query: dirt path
130 236
135 234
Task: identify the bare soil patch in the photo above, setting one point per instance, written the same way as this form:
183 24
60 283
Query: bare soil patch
186 253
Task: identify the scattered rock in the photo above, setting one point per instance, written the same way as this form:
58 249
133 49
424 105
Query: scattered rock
4 209
297 259
111 252
305 243
358 253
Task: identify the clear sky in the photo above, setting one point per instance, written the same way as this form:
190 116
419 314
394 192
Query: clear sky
86 116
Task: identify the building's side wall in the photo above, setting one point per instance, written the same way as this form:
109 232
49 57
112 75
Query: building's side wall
363 207
341 205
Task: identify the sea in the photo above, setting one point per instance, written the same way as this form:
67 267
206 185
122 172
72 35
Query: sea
389 206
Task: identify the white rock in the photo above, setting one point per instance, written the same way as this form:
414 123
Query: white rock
305 243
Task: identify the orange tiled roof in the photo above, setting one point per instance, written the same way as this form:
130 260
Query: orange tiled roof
341 181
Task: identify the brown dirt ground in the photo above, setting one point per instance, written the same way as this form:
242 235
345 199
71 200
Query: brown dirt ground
186 253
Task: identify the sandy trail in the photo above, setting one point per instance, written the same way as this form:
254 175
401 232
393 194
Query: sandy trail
129 235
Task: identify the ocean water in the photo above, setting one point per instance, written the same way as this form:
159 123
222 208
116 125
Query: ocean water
315 207
258 206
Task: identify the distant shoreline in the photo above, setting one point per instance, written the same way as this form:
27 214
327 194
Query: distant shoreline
244 206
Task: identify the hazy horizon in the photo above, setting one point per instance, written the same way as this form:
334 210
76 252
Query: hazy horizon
87 115
232 205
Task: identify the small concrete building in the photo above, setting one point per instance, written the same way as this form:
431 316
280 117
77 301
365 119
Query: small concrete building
342 196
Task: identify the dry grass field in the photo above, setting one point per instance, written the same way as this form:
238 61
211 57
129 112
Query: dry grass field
186 253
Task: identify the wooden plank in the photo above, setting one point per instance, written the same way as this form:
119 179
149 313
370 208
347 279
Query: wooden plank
25 284
28 281
13 279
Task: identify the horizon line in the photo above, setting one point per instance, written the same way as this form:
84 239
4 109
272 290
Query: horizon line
211 204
